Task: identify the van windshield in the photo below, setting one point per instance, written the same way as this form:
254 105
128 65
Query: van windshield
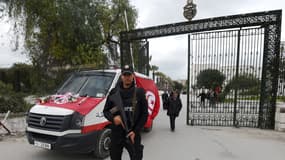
88 84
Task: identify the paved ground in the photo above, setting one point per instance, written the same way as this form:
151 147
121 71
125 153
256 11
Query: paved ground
211 143
186 143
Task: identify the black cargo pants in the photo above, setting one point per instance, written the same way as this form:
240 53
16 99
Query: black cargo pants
119 141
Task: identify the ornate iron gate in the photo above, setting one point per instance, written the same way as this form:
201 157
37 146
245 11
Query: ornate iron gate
225 79
255 43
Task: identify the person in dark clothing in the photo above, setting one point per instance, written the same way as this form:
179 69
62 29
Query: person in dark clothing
135 111
174 107
203 96
212 98
164 98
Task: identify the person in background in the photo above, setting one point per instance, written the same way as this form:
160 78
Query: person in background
174 106
212 98
202 96
164 98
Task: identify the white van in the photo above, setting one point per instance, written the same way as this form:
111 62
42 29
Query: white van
72 119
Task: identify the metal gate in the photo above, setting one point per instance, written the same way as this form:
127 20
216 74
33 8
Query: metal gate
244 48
225 77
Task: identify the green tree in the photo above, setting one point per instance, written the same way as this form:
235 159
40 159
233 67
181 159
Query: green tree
154 69
210 78
177 86
69 32
10 100
246 84
164 82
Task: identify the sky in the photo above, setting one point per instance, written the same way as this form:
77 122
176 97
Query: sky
7 54
168 53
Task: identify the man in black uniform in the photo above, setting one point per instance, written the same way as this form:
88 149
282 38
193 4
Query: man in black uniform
126 126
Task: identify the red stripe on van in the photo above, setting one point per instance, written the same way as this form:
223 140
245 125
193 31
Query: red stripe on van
95 127
83 105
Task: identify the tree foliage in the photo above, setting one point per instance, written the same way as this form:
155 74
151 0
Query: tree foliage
154 68
164 82
210 78
177 86
246 83
70 32
10 100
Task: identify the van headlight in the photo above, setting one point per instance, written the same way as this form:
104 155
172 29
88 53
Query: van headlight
77 121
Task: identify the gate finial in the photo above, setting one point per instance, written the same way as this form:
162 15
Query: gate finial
190 10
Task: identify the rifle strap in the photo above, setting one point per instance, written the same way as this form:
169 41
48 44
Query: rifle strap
134 103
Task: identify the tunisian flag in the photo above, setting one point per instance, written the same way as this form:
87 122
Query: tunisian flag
152 97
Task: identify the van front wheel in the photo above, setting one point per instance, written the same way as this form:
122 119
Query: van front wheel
102 148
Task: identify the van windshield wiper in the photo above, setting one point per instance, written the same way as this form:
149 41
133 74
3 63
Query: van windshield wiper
83 95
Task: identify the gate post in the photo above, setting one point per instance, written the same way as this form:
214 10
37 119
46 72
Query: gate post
261 123
188 81
237 74
125 53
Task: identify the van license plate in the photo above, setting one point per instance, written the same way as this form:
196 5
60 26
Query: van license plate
42 145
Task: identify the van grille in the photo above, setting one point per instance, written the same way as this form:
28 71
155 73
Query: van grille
43 137
49 122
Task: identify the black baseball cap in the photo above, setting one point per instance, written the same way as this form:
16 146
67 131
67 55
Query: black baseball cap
127 69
